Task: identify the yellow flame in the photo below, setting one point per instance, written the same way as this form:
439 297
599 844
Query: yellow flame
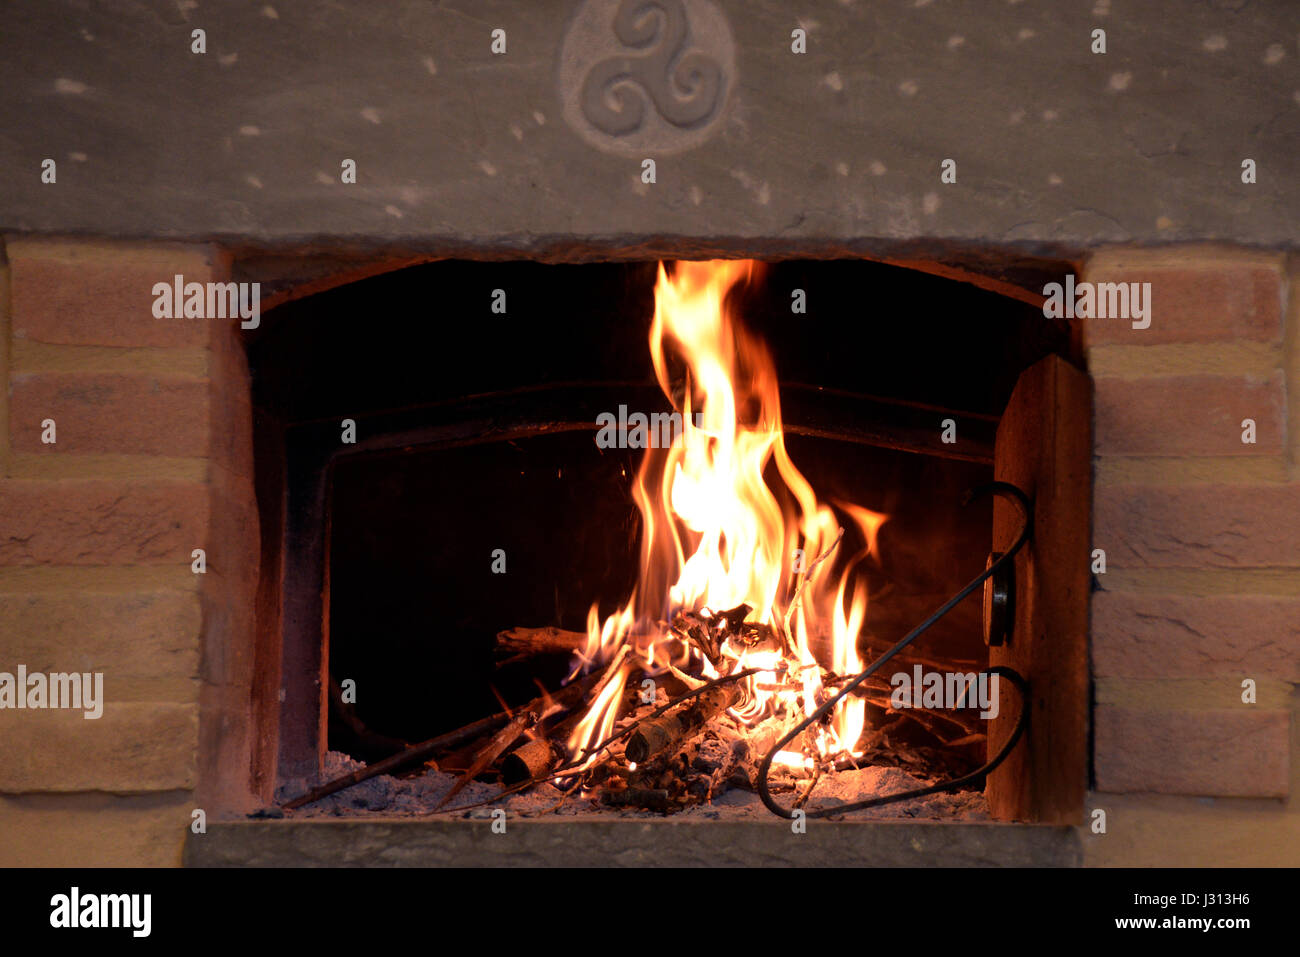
598 722
715 534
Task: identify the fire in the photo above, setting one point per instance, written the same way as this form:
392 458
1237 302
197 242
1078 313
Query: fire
716 536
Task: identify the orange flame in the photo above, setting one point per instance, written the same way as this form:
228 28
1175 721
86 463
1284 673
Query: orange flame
716 536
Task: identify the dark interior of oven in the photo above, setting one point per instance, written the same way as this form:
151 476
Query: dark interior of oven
475 432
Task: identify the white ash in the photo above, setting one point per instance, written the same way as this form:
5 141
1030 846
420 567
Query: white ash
418 796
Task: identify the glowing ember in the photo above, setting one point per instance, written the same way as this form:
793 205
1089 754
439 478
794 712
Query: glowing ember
721 558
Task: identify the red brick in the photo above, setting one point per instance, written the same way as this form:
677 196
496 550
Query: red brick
1179 636
1189 415
1198 526
1196 303
101 412
1237 753
92 294
74 522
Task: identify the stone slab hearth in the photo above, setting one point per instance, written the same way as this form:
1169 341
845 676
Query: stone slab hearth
660 843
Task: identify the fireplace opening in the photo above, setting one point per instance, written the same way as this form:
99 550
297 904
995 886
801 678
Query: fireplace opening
446 514
560 509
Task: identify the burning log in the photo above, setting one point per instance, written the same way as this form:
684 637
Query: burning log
538 757
708 633
534 759
669 731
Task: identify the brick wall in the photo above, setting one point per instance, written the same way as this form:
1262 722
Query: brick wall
1202 540
152 460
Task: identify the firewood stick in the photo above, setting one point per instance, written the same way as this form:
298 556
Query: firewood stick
566 697
930 720
912 656
577 766
802 799
533 759
786 635
529 762
669 731
520 644
500 741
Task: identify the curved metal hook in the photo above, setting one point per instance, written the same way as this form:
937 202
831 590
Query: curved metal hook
1005 489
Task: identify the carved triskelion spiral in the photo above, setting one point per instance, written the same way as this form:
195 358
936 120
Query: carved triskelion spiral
684 85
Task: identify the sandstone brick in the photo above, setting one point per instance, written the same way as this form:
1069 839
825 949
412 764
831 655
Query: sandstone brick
231 428
1147 830
133 747
152 634
1237 753
1241 357
231 403
6 359
75 522
1189 415
1178 636
237 549
94 830
1207 693
31 356
1201 302
108 466
1139 635
229 593
1181 470
1198 526
99 412
86 293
